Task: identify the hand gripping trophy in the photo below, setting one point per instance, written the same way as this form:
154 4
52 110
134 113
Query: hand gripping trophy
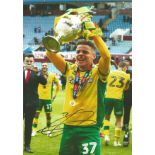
71 25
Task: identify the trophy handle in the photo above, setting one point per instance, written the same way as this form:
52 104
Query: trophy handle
51 44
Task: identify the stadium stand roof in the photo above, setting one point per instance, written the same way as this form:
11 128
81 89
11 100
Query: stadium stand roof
28 50
71 1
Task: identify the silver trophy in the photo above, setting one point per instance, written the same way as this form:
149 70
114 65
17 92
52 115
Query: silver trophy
67 28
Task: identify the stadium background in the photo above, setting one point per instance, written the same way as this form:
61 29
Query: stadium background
115 19
113 16
12 57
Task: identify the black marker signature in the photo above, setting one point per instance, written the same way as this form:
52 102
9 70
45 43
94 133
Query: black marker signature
56 127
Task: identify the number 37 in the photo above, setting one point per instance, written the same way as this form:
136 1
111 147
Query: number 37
86 149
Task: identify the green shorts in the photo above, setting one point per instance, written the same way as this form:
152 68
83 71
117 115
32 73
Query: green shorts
80 140
47 104
113 103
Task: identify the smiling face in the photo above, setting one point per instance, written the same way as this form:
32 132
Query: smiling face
28 62
44 67
85 55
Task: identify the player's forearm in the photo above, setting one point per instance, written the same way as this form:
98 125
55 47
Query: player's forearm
105 60
102 48
57 88
104 67
56 92
57 60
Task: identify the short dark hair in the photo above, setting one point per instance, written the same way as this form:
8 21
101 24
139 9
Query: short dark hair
122 64
86 42
27 55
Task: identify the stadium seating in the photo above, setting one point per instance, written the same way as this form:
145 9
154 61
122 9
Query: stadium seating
121 47
117 23
65 1
98 17
47 22
29 24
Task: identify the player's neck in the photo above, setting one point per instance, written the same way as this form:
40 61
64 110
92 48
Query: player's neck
85 68
82 69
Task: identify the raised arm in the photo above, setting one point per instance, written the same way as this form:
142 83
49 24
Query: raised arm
57 60
104 62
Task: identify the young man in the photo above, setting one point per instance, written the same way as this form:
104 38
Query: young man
83 107
31 80
118 81
46 97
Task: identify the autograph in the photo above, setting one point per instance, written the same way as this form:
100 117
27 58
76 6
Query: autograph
56 127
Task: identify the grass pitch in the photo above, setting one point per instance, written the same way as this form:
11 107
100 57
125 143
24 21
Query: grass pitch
44 145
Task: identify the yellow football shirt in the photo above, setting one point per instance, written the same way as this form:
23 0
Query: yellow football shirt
117 82
81 111
44 91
